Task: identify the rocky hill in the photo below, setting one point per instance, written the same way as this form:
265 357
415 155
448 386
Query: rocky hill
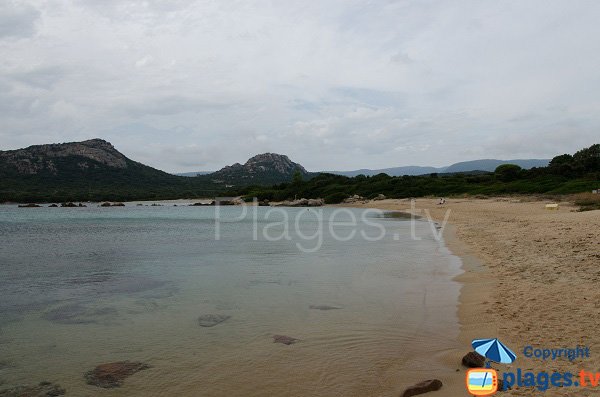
262 169
45 159
90 170
94 170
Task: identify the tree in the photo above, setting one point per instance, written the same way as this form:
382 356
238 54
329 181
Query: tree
508 172
588 159
297 178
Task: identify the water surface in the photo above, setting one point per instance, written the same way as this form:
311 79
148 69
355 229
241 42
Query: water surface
84 286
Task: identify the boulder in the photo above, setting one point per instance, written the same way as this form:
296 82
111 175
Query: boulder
68 205
118 205
105 205
210 320
473 360
380 197
315 202
53 206
284 339
43 389
112 375
31 205
423 387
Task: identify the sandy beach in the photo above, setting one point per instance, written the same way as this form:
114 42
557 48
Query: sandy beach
531 277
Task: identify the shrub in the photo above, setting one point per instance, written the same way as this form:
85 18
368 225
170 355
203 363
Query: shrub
335 198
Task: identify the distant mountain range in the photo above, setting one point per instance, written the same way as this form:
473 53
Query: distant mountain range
486 165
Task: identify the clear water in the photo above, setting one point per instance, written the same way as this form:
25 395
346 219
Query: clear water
85 286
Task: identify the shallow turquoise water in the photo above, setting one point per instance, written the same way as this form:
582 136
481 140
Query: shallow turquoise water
84 286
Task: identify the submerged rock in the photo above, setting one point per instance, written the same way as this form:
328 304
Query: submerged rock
79 314
286 340
210 320
43 389
323 307
423 387
112 375
473 360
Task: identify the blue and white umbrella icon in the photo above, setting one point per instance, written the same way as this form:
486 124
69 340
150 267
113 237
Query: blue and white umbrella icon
494 350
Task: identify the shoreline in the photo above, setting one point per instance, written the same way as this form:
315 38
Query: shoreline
530 277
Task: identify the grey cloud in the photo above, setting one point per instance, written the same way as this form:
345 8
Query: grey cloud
17 19
334 85
168 105
44 77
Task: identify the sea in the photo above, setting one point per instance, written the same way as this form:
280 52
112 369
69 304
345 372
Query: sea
368 297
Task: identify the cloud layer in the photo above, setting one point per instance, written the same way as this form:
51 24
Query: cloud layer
338 84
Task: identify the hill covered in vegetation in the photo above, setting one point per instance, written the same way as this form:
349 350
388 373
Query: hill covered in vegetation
564 174
94 170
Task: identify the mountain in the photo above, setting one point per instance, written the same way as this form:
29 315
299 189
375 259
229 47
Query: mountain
89 170
262 169
488 165
396 171
192 174
94 170
491 164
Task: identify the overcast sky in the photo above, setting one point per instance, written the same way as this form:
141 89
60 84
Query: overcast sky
186 86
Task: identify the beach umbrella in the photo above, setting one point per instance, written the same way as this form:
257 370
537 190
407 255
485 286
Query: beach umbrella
494 350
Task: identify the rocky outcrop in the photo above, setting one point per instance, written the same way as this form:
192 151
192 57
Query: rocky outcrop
303 202
284 339
210 320
107 204
43 389
423 387
355 199
266 169
112 375
473 360
34 159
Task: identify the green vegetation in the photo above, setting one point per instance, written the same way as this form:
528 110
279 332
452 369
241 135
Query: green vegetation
98 183
565 174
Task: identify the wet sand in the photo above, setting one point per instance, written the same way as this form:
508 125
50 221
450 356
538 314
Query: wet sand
531 277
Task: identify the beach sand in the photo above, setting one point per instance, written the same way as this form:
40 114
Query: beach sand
531 277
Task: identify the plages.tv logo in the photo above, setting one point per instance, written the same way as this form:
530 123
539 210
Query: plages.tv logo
484 381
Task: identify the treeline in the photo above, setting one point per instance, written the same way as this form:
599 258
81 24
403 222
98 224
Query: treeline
99 183
565 174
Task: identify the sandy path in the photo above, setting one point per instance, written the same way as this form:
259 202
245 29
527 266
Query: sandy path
539 284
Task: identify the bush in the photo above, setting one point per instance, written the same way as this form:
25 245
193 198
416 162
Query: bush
508 172
587 201
335 198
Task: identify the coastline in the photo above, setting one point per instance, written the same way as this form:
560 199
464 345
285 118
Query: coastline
529 278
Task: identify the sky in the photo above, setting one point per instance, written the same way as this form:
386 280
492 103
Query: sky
186 85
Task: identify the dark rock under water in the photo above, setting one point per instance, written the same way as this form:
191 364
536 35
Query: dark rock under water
79 314
284 339
43 389
112 375
210 320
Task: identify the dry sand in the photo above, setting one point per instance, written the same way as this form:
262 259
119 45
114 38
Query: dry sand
532 277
